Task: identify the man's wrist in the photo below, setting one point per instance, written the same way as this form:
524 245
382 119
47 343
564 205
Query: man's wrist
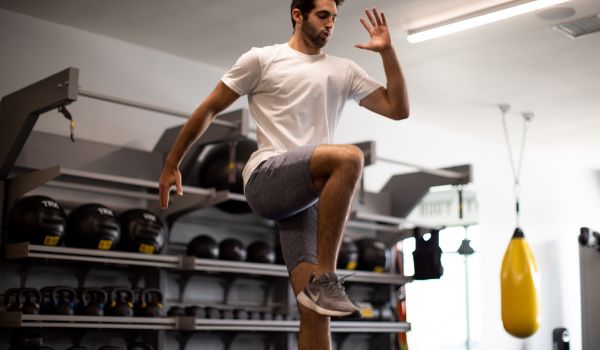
171 163
387 50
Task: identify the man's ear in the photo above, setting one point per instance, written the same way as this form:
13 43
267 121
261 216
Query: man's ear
297 16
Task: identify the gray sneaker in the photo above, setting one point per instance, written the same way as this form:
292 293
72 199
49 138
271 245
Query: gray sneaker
326 296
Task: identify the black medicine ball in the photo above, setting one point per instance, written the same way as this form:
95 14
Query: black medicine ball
93 226
348 255
204 247
232 249
142 232
214 171
260 252
372 255
38 220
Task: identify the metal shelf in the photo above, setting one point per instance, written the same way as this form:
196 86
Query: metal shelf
18 319
293 326
250 268
369 327
386 223
26 250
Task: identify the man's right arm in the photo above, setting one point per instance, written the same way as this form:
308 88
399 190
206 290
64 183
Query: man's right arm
218 100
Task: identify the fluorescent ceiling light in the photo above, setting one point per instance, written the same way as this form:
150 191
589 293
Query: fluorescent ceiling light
476 19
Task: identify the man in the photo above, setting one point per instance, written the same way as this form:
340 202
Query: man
296 94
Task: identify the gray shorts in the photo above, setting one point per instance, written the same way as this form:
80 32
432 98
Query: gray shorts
281 189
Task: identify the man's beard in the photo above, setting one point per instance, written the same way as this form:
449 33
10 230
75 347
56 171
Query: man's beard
313 35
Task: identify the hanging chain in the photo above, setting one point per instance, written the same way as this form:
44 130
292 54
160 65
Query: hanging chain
516 168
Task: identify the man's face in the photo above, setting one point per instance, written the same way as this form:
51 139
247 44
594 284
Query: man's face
318 27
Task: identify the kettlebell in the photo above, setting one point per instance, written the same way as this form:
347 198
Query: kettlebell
92 302
47 302
151 303
122 302
139 346
241 314
64 298
196 311
13 299
31 298
176 311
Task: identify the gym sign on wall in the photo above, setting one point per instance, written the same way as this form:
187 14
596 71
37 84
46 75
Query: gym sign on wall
442 208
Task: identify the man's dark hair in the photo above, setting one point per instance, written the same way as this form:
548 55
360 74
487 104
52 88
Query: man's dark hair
305 6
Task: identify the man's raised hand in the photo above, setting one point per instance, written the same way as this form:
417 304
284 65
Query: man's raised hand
378 30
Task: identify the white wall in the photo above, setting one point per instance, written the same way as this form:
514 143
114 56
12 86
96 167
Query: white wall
34 49
556 200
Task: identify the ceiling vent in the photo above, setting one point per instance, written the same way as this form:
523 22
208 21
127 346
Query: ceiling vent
580 27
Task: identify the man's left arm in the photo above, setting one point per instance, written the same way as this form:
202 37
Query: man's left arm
391 101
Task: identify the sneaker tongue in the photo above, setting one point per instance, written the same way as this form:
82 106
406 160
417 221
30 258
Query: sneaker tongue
328 276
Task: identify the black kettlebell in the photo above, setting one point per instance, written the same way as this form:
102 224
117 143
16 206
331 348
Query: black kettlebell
213 313
227 314
176 311
64 298
151 303
139 346
13 300
93 301
196 311
122 302
31 298
241 314
48 306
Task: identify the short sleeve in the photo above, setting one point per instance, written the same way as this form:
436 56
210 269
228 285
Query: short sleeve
361 84
244 76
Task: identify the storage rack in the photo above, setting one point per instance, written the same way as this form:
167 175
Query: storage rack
19 112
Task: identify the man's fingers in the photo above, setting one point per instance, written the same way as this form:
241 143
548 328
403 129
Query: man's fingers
178 185
370 16
377 18
383 19
364 23
164 196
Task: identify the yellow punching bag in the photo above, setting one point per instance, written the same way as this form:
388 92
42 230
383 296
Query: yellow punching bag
519 281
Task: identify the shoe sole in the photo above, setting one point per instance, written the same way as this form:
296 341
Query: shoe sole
307 302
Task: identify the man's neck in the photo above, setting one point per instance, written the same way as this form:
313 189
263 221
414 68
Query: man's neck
298 43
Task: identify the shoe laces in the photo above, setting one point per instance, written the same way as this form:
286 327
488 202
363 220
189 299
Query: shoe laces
336 288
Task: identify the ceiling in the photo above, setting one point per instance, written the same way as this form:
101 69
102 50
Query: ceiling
455 82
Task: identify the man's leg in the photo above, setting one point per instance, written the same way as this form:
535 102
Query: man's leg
314 328
335 170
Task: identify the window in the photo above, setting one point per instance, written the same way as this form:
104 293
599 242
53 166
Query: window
437 309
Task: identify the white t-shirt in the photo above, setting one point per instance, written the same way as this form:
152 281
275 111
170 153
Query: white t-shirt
296 99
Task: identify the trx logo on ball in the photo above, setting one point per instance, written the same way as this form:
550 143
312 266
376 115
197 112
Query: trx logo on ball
351 265
50 204
378 269
106 211
146 248
105 244
51 240
149 217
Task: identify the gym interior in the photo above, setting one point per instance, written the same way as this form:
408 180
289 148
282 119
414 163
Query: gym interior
95 92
